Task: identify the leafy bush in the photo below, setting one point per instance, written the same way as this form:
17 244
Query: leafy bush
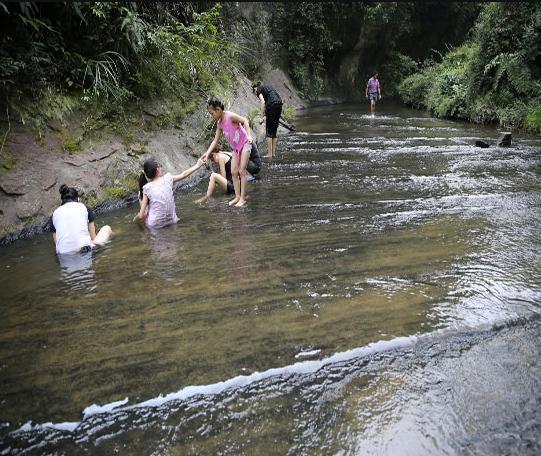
414 89
532 119
494 78
397 68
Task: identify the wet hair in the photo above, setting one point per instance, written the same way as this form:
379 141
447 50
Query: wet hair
150 169
215 103
68 194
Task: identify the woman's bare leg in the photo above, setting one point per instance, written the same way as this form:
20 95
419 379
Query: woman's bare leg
244 157
236 183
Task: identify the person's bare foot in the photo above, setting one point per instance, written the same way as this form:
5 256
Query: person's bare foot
268 156
234 201
241 203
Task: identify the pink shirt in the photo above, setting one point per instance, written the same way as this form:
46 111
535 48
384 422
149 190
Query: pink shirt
235 133
161 204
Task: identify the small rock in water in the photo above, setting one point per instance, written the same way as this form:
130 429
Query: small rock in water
504 139
480 143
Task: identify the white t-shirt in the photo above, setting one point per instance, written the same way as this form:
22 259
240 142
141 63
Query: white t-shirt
70 221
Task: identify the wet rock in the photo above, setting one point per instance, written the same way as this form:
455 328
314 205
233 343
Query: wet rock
75 161
504 139
480 143
102 154
13 186
28 209
48 183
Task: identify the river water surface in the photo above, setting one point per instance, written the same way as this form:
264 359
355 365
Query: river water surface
380 294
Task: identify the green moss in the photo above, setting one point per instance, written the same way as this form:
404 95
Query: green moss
8 229
71 145
7 160
131 181
116 192
93 201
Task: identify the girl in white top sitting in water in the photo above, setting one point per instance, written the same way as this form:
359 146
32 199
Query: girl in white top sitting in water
73 225
156 194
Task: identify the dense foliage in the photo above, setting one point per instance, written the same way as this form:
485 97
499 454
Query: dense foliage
494 77
335 46
56 57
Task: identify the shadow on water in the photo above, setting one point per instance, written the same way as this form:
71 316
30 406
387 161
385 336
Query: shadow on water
379 294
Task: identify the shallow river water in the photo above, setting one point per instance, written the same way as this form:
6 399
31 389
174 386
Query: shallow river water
380 294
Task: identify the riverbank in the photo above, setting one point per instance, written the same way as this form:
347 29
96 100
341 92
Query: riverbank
105 169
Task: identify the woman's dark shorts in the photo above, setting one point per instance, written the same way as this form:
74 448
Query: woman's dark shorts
230 188
273 113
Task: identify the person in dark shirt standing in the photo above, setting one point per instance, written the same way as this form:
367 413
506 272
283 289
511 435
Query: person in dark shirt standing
270 104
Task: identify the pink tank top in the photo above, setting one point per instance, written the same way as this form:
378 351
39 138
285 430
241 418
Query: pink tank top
235 133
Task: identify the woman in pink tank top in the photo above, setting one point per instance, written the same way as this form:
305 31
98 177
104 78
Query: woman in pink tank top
237 131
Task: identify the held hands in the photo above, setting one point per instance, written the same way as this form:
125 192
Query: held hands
138 216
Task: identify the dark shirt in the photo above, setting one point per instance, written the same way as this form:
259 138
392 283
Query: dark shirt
269 94
254 155
228 174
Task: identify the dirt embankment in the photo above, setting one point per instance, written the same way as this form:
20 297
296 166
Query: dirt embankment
103 170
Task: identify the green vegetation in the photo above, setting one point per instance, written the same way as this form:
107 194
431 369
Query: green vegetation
117 192
288 113
71 145
494 77
108 59
335 46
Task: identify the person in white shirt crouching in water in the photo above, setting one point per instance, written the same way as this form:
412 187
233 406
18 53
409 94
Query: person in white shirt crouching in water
73 225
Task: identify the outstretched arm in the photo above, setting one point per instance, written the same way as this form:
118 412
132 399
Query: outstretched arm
213 144
244 121
189 171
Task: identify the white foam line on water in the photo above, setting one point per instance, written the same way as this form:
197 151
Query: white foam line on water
299 368
307 353
240 381
95 409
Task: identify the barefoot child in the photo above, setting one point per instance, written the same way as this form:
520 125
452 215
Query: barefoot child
156 194
237 131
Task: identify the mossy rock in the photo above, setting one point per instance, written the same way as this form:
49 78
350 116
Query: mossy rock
71 145
116 192
7 160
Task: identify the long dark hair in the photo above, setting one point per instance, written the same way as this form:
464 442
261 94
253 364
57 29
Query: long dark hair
215 103
150 168
68 194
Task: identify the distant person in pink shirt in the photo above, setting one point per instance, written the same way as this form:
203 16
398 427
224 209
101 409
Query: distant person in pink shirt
373 92
157 204
237 131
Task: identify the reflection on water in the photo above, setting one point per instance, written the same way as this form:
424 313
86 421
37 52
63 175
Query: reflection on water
77 272
379 266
